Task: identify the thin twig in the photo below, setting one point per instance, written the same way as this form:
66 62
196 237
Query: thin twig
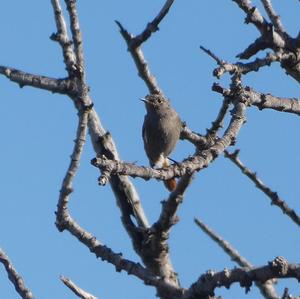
212 55
273 196
275 19
75 289
140 62
267 289
217 124
66 188
152 26
14 277
62 37
76 36
134 43
232 252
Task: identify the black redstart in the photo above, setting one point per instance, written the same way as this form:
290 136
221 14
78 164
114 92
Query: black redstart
161 131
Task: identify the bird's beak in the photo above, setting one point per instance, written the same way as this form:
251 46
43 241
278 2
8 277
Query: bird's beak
144 100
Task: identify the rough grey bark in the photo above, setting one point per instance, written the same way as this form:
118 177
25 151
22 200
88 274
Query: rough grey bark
150 242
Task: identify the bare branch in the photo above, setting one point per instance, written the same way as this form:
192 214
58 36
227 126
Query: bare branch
168 215
273 196
268 101
140 62
208 282
62 38
134 47
263 101
276 39
259 44
152 26
241 68
76 36
266 288
14 277
212 55
66 188
75 289
193 137
232 252
253 14
270 37
156 248
275 19
116 259
217 124
245 68
125 193
65 222
62 86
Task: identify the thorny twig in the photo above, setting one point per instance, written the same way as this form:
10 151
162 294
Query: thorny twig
267 289
272 195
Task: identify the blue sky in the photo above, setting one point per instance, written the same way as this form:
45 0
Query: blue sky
38 129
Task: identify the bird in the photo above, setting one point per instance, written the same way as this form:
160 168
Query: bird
160 132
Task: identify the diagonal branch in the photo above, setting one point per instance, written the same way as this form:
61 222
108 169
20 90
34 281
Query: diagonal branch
76 36
267 289
271 37
106 254
140 62
62 38
14 277
75 289
168 215
152 26
134 47
232 252
66 188
195 138
253 14
275 19
217 124
273 196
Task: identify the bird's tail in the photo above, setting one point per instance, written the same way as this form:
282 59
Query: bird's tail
171 183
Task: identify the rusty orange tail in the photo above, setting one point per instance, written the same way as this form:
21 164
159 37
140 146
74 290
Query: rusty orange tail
171 183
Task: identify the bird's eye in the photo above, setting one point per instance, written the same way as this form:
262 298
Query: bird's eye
158 101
